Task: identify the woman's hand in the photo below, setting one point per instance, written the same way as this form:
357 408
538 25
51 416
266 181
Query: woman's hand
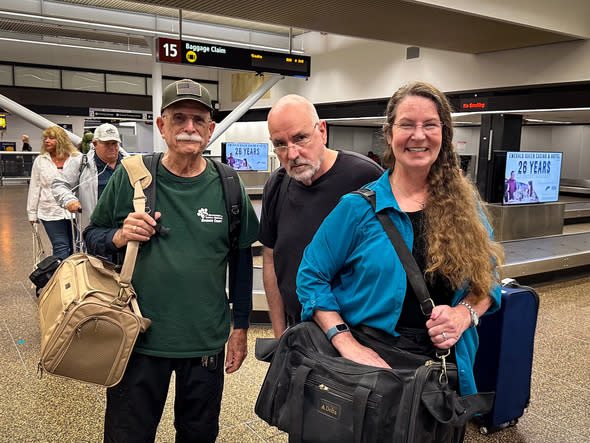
446 325
138 226
345 343
351 349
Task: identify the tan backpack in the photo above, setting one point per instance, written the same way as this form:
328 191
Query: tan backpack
88 312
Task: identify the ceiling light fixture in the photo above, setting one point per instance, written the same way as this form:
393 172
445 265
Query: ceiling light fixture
66 45
535 120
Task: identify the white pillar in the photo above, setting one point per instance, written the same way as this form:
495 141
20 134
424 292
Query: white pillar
159 145
32 117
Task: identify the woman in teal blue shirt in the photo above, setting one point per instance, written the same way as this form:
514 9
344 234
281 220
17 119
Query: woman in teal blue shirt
351 275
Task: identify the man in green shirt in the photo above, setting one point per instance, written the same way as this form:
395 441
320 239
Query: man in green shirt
180 279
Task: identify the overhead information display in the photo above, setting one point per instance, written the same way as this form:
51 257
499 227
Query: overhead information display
218 56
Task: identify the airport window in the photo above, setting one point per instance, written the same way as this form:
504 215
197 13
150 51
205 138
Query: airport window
37 77
6 75
125 84
83 81
78 80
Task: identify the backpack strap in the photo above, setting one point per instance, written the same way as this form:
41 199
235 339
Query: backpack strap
151 162
232 194
137 171
83 164
413 272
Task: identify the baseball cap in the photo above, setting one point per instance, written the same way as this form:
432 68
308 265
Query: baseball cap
185 89
106 132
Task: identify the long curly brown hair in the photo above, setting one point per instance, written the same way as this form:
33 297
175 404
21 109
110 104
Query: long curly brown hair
64 147
459 246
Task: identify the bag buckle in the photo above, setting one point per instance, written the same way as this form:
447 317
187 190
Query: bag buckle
123 298
443 379
431 307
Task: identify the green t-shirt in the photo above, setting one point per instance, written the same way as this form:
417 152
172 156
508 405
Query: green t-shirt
180 276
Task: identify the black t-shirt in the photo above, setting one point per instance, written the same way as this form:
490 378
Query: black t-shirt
303 210
439 287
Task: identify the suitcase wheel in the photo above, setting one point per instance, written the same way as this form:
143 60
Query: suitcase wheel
485 430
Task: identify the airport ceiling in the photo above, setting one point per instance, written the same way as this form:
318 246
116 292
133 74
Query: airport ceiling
405 22
399 21
396 21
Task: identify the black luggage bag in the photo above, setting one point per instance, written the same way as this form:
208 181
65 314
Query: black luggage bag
317 396
43 272
504 359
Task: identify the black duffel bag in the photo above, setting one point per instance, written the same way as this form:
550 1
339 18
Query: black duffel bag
44 270
317 396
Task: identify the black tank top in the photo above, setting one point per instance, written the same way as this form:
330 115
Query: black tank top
438 286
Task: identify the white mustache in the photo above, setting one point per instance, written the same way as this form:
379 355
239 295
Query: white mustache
296 162
189 137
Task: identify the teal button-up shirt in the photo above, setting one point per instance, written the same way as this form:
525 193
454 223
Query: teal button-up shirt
351 267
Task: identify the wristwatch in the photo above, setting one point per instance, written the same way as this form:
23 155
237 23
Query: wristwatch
342 327
474 315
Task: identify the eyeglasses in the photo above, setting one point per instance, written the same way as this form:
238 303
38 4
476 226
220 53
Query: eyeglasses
180 119
299 140
428 128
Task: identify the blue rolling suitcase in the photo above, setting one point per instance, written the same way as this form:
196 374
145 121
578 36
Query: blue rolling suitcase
504 359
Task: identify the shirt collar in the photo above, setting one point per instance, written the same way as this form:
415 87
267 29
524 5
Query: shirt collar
100 164
383 194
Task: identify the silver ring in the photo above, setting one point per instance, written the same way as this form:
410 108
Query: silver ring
444 336
135 228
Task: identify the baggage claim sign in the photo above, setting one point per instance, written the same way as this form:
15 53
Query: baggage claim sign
217 56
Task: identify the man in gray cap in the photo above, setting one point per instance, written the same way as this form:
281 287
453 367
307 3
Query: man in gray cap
84 177
180 278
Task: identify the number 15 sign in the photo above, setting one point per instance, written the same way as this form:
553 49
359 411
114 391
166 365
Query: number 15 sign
169 50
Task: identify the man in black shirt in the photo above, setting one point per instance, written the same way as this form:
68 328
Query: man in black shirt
298 196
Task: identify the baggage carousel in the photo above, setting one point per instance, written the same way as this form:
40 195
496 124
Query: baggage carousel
545 254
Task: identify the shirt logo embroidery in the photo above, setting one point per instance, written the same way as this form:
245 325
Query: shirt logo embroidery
209 218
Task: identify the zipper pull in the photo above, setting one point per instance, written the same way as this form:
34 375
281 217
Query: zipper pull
40 370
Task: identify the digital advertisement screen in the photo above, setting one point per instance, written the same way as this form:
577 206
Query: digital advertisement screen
245 156
531 177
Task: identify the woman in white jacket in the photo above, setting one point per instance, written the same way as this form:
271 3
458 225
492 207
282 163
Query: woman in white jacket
55 150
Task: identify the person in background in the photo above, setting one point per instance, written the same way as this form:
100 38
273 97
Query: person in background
316 178
84 177
374 157
245 165
56 149
511 183
26 144
231 160
180 277
350 274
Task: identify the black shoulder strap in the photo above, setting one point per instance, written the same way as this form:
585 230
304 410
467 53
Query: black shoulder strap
413 272
232 194
83 163
151 163
282 195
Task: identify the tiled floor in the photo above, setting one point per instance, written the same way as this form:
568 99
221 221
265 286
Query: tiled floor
56 410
